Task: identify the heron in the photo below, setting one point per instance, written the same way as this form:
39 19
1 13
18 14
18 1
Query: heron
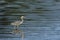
17 23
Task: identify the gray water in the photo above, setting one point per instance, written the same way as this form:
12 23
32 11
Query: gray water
41 22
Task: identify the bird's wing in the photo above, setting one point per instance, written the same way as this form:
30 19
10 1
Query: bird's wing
15 23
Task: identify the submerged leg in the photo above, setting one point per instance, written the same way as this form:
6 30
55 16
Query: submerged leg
16 27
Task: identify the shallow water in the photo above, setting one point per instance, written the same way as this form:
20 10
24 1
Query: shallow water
42 20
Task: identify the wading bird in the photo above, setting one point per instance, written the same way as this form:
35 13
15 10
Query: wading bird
17 23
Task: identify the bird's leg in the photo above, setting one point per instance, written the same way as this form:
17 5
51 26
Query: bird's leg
15 27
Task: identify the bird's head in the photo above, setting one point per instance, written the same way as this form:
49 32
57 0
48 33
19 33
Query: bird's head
22 17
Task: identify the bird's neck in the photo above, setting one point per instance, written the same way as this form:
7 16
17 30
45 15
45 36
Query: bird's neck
22 19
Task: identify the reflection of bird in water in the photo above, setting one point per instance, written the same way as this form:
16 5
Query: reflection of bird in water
16 31
17 23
